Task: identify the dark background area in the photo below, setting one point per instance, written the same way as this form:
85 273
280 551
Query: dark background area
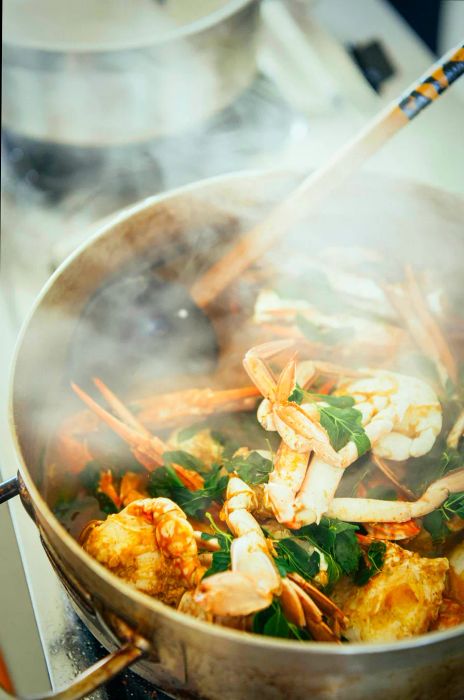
423 16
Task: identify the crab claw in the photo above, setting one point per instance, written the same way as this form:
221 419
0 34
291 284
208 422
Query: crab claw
231 593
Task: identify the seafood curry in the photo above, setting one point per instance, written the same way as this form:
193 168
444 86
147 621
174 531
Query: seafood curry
316 495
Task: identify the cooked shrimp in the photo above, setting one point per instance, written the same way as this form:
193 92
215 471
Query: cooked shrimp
151 545
71 444
130 488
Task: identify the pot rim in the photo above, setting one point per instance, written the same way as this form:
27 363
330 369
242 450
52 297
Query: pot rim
195 27
228 634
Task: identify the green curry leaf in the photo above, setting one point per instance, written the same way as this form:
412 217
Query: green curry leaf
341 421
293 558
337 540
221 559
370 564
165 482
343 425
253 469
273 623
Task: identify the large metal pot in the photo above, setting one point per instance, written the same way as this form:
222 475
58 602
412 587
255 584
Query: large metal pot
188 657
77 76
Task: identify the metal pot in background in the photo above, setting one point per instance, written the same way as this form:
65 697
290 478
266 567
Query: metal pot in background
122 73
96 97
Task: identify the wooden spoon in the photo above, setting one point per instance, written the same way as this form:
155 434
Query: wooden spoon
253 244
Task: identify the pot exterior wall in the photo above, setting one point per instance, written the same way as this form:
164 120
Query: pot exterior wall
103 98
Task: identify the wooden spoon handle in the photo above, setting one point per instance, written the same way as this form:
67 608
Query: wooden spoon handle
251 245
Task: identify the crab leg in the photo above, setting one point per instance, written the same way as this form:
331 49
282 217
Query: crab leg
254 578
118 407
411 307
429 323
327 606
370 510
301 434
313 617
165 410
146 448
285 481
323 478
291 603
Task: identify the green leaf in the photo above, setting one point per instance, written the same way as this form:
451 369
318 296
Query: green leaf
293 558
273 623
90 480
337 401
338 542
316 288
253 469
300 396
437 522
451 459
190 431
343 425
441 459
375 557
327 336
297 395
221 562
454 505
106 504
221 559
341 421
165 482
229 444
89 477
346 552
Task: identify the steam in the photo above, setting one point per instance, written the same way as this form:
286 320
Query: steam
122 310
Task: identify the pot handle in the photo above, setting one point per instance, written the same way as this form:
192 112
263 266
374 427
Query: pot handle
98 674
9 489
105 669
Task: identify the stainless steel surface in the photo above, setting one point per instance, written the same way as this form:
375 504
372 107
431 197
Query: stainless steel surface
132 89
186 653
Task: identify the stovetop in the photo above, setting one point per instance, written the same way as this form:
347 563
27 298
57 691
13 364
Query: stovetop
44 217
